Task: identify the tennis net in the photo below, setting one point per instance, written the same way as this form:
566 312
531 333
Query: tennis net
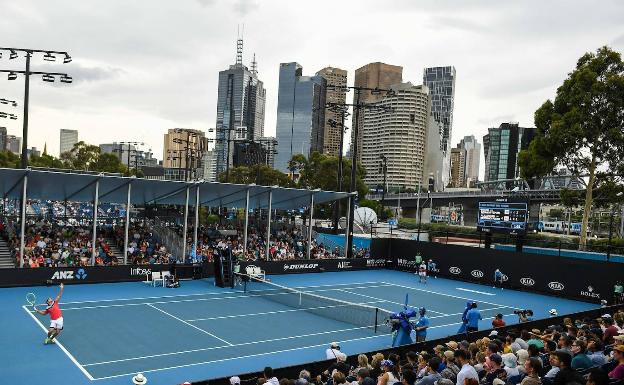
339 310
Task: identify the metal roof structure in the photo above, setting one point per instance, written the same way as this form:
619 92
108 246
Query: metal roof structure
79 187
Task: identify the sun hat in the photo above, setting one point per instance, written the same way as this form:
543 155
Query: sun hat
139 379
235 380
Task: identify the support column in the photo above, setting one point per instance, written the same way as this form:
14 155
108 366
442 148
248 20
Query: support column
185 226
127 226
196 221
96 199
23 219
310 225
246 223
346 247
268 234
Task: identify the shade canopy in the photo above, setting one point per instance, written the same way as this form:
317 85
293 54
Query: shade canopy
79 187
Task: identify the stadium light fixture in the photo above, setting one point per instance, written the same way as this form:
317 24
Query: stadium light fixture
13 55
67 59
48 78
66 79
12 76
49 57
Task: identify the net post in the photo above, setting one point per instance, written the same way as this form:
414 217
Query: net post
376 318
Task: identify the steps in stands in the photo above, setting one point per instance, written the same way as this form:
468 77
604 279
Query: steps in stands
117 252
6 261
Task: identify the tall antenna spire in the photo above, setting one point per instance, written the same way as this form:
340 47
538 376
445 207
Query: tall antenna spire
254 65
239 46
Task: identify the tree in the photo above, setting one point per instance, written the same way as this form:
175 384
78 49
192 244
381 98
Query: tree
82 156
9 160
321 171
45 160
583 128
260 174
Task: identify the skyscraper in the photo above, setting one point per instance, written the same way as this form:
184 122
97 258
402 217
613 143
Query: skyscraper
300 114
240 108
373 75
14 144
501 147
465 159
400 135
332 133
68 139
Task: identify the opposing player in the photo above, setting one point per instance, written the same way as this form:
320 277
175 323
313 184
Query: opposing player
56 316
422 272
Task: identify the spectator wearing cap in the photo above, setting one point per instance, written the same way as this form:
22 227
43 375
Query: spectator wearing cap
532 367
451 370
268 376
566 374
511 364
333 351
390 375
495 370
580 360
618 372
432 374
467 371
610 330
498 322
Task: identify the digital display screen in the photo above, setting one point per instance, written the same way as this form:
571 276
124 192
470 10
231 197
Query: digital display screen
502 217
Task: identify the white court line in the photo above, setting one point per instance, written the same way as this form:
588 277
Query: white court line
60 345
241 295
239 357
262 354
191 325
228 346
446 295
210 293
395 303
473 291
278 311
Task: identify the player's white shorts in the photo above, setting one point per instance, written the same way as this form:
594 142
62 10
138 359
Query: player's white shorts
422 273
57 323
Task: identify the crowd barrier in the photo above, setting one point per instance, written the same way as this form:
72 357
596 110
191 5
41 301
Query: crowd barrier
586 280
96 274
292 372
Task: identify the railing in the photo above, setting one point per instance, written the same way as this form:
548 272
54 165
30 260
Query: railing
172 241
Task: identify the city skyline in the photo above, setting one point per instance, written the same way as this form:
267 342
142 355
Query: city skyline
138 86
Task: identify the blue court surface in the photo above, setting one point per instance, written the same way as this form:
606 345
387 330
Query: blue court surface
199 331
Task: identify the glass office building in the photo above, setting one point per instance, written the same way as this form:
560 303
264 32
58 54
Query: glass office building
501 147
300 114
441 83
246 108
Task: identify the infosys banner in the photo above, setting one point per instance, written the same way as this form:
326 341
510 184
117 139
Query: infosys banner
316 265
94 274
567 277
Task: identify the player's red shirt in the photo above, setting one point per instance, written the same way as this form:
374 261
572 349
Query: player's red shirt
54 311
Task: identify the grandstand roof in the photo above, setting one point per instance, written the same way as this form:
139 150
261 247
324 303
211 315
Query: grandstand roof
71 186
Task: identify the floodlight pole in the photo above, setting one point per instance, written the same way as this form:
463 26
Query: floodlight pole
23 219
24 160
310 225
127 226
347 230
196 221
185 225
268 233
95 218
246 223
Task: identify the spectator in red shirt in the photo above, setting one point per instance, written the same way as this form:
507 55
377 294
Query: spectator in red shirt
618 372
610 332
498 322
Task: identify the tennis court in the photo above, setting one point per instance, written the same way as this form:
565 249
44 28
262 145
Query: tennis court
199 331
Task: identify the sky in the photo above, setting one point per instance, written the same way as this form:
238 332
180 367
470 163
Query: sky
142 67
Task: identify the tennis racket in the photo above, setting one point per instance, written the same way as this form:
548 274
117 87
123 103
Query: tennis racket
31 299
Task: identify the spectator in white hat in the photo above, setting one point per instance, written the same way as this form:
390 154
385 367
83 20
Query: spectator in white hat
333 351
235 380
139 379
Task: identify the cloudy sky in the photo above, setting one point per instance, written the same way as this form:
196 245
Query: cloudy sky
141 67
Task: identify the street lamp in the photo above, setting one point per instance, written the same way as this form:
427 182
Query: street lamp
47 77
384 171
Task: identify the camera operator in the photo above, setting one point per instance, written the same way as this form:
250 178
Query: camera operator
525 315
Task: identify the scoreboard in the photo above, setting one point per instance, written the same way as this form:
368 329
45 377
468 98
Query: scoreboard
502 217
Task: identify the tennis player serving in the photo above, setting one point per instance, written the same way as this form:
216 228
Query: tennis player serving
56 316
